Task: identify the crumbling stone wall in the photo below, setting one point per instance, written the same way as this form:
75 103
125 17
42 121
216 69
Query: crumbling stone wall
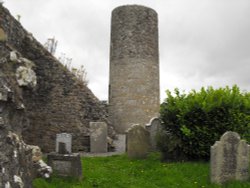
59 102
15 155
19 162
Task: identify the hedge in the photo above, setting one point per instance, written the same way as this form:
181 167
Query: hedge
193 122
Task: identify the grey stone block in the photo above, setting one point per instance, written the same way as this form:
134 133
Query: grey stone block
68 165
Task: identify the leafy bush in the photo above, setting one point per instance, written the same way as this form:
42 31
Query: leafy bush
193 122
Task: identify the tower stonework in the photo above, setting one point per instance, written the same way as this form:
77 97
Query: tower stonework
134 66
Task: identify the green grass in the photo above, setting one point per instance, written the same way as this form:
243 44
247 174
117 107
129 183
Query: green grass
121 172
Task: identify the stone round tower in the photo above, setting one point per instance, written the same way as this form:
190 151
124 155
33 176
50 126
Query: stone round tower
134 66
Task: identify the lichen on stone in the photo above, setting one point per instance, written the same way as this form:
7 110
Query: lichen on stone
3 36
26 77
27 62
3 96
18 180
13 56
7 185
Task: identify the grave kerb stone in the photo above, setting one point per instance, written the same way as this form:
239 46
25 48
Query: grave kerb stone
67 165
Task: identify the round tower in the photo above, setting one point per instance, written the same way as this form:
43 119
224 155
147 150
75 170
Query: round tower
134 66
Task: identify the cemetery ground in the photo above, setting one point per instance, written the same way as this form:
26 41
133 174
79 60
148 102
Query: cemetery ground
121 172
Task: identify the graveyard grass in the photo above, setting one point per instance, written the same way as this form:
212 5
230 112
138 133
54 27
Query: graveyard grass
121 172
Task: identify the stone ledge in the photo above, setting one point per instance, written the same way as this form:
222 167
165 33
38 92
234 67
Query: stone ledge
66 164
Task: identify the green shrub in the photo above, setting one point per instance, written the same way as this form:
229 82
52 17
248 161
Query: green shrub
193 122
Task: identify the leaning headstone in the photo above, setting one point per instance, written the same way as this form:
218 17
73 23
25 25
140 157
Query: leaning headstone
154 126
229 159
98 137
137 142
63 162
65 138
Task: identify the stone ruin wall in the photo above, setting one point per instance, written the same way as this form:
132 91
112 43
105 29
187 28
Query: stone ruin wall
15 156
59 102
134 66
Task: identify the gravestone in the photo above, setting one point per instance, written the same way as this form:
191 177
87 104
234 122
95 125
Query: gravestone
63 162
229 159
98 137
66 139
154 126
137 142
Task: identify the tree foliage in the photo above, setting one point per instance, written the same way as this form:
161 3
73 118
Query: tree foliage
193 122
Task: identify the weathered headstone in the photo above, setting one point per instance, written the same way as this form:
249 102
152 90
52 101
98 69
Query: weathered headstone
154 126
66 139
98 137
63 162
229 159
137 142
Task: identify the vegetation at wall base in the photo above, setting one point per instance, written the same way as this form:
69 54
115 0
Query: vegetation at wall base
121 172
193 122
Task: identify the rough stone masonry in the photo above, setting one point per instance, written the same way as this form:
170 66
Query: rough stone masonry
19 162
134 66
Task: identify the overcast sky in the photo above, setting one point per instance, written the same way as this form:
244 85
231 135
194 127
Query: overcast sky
202 42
